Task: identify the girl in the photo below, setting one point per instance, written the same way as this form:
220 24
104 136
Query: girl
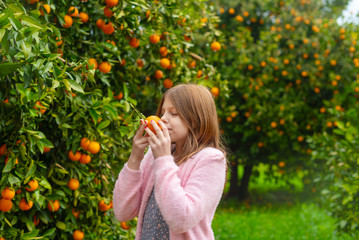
175 187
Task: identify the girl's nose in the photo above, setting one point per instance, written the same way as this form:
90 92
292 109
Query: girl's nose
164 118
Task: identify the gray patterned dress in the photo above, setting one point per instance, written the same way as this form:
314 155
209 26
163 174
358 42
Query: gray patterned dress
154 226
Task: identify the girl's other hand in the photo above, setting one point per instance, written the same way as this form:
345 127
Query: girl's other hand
160 142
139 144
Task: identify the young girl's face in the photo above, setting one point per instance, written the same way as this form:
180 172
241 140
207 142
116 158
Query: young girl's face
176 127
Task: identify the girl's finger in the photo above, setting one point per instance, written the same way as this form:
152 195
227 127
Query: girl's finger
157 129
164 129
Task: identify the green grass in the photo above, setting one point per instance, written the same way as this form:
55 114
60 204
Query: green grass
277 211
298 222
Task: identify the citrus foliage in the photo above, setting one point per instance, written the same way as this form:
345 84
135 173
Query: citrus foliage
339 154
293 73
72 77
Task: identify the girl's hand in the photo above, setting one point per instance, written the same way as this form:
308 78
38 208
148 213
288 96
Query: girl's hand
139 144
160 142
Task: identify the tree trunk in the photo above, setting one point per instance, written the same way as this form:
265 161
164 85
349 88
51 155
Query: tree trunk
233 188
243 188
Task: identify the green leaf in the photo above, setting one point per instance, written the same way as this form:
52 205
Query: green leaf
5 44
13 180
61 225
7 68
104 124
46 143
74 85
31 170
15 23
4 16
45 184
50 232
111 110
34 233
10 164
26 48
32 22
128 119
93 114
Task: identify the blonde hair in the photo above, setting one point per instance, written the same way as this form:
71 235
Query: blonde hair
196 107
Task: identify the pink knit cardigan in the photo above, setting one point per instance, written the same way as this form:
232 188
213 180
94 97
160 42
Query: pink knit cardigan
187 195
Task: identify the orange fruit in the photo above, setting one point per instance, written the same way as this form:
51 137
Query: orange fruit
39 105
134 42
74 157
46 149
103 206
215 91
84 17
34 184
100 23
85 143
85 158
108 28
3 149
273 124
140 63
68 21
231 11
94 147
111 3
281 164
124 226
167 83
215 46
75 213
47 9
54 207
5 205
165 63
23 205
36 220
73 184
104 67
73 11
154 38
107 12
158 74
8 193
163 51
79 235
300 138
152 118
191 64
92 63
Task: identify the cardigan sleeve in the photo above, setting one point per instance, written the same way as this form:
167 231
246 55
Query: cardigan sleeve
127 194
183 207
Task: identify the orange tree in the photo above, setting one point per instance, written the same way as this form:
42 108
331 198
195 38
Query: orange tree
292 72
75 77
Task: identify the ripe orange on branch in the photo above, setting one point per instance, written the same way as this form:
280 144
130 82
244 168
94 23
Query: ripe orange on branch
68 21
8 193
94 147
215 46
154 38
73 11
111 3
33 185
5 205
53 206
165 63
73 184
104 67
23 205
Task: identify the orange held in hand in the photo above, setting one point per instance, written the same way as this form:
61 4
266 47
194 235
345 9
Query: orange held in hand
149 125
